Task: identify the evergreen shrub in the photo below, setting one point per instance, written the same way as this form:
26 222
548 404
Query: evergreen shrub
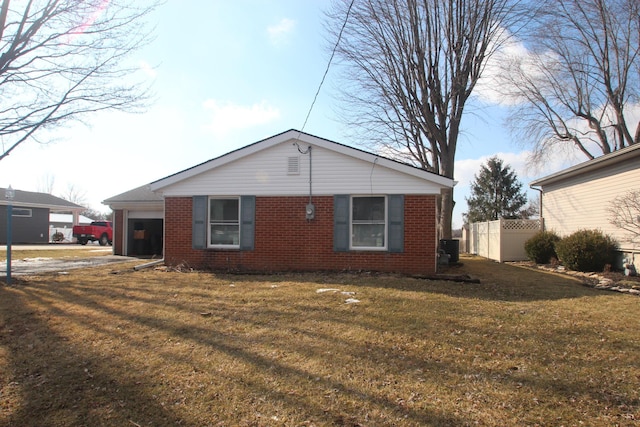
586 250
541 247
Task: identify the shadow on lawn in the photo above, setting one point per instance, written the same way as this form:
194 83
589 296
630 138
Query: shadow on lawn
54 382
60 383
58 379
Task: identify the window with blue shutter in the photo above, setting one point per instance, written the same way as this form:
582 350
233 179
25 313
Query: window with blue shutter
223 222
368 223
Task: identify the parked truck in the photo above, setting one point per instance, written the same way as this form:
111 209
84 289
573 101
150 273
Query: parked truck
102 231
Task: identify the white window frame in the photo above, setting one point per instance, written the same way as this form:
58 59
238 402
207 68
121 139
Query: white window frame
210 223
22 212
384 222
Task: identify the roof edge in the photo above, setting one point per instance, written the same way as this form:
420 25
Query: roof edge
303 137
593 164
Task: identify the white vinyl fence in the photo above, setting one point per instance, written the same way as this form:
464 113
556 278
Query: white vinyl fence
501 240
67 233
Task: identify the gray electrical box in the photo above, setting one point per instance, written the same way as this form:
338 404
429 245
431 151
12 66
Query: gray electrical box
311 211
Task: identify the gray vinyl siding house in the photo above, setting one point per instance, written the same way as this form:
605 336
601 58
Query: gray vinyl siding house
580 197
30 219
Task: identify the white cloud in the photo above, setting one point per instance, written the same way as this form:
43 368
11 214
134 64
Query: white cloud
226 117
148 69
278 33
492 87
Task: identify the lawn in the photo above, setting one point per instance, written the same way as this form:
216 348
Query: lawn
164 348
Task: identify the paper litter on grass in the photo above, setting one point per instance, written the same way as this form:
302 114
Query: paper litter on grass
345 293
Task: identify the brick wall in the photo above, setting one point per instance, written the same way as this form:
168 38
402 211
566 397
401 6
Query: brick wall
118 232
286 241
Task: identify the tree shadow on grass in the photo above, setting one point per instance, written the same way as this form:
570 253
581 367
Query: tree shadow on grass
49 380
62 383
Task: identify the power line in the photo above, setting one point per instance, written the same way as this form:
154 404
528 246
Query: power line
326 71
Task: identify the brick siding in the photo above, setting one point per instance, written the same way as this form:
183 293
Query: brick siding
118 232
286 241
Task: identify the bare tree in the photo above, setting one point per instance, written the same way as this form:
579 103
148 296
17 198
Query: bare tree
581 80
63 59
624 213
46 183
97 215
75 195
409 68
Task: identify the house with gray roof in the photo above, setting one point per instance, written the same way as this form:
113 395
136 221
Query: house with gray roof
31 214
290 202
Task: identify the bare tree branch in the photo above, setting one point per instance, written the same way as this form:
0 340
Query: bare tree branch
75 195
409 69
581 80
61 60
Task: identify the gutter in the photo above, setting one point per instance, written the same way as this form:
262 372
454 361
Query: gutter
533 187
148 264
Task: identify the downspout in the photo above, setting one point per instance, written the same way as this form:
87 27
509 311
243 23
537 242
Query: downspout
540 198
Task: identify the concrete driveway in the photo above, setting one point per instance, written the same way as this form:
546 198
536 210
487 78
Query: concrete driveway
38 265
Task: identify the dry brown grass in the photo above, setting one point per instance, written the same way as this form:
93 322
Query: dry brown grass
83 252
156 348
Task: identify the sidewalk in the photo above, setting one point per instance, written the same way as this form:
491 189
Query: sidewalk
36 265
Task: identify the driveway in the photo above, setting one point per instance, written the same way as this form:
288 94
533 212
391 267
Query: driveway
38 265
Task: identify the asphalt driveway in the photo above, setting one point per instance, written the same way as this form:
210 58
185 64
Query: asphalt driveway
38 265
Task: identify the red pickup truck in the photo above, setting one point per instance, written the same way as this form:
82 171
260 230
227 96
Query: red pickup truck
102 231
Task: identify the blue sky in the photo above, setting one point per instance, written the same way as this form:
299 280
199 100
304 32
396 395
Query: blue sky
226 74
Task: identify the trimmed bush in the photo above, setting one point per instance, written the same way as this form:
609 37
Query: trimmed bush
586 250
541 247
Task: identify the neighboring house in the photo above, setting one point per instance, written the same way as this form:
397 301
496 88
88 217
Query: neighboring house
30 219
293 202
579 197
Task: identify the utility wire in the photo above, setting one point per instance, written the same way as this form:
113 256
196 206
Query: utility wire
326 71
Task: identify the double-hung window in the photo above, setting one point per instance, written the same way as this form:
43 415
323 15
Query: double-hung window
224 222
369 222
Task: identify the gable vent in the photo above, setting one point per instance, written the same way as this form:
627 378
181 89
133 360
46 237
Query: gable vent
293 165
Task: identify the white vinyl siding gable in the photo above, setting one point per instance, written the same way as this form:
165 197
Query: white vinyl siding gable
267 173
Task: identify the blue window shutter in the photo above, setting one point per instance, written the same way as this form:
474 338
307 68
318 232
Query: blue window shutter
396 223
247 222
199 228
341 222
